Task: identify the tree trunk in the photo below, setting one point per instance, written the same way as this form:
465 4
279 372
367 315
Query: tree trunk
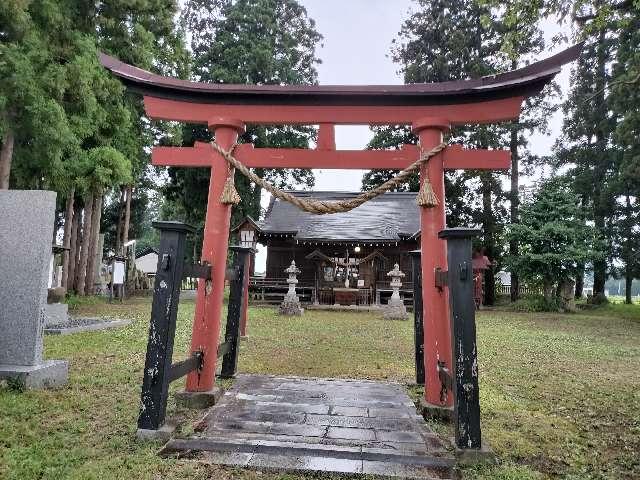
75 246
627 251
488 226
599 178
66 239
86 244
579 281
127 217
6 156
515 204
547 290
628 282
93 242
120 220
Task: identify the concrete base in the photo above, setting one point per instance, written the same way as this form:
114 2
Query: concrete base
56 314
49 374
244 338
50 330
163 434
469 457
290 308
435 412
198 400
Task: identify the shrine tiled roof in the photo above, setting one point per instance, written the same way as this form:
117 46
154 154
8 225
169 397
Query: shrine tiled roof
390 217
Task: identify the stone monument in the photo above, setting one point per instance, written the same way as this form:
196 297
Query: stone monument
395 309
567 295
56 312
26 229
291 304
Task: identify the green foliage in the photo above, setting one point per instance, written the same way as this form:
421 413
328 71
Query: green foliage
535 303
145 208
553 236
246 41
599 114
103 167
54 95
75 302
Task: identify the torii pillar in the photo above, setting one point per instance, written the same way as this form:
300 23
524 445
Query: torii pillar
210 295
435 301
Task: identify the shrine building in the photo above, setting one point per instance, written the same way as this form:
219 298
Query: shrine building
345 257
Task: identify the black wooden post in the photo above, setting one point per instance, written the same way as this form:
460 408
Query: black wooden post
164 310
234 311
418 326
466 403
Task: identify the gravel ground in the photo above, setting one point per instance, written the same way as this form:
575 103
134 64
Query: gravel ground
81 322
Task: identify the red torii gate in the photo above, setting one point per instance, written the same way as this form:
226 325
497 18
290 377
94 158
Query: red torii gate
430 109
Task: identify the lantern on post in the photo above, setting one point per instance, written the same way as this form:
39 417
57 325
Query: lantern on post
247 233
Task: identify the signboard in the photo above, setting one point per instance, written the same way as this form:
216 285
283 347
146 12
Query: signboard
118 273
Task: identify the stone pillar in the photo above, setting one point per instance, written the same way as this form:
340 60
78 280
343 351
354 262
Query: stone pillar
26 229
395 309
291 302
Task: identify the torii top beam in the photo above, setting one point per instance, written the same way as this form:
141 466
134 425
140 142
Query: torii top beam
484 100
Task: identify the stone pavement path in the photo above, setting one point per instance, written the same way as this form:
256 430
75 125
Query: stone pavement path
308 424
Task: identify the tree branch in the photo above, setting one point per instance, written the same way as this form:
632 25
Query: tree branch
612 84
618 6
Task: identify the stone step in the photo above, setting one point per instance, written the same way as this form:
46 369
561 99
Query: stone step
427 445
297 456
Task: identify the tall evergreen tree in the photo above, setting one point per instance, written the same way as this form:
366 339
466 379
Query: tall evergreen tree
452 40
588 146
519 27
60 111
625 103
247 42
554 238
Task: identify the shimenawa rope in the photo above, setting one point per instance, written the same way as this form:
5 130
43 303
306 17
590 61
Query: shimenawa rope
426 197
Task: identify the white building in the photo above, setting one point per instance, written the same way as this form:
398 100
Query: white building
147 261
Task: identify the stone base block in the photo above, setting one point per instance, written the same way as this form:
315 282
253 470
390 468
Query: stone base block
56 314
244 338
198 400
395 313
290 309
163 434
435 412
470 457
49 374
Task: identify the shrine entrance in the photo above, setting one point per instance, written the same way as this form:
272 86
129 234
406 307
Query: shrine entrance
450 388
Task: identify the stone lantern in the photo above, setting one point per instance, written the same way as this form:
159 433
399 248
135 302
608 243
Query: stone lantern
395 309
291 303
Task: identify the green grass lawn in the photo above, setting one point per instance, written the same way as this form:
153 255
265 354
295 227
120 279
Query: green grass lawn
560 393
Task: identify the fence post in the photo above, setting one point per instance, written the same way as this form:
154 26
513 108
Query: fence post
234 310
466 401
418 326
164 311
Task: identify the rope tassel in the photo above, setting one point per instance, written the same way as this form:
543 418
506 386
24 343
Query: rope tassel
229 193
427 197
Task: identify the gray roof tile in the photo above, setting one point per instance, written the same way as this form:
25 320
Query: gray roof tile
388 217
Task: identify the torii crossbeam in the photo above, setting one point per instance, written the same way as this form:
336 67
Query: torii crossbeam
430 109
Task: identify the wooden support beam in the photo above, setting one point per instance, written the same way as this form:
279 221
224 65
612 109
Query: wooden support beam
454 157
483 111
